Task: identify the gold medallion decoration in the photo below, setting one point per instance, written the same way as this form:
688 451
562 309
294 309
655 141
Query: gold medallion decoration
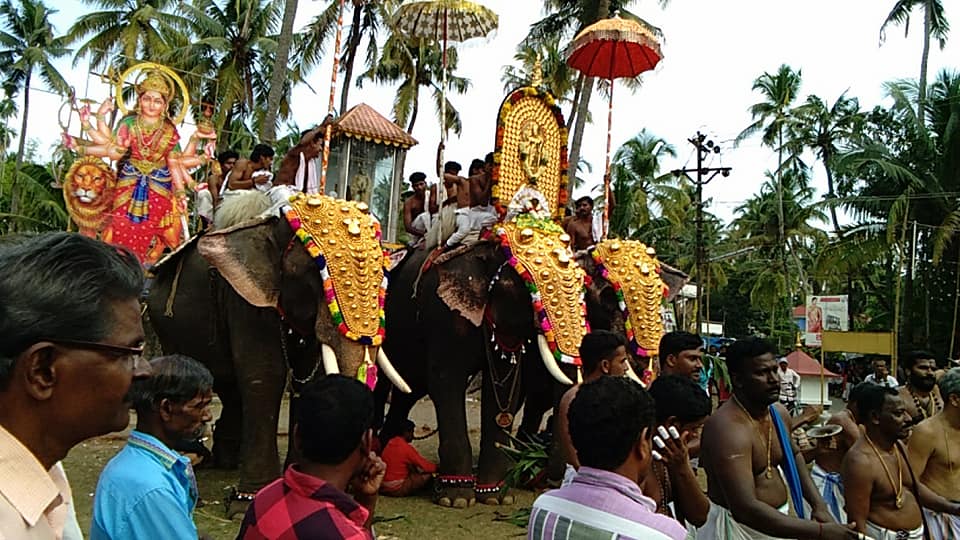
634 272
531 147
344 240
539 251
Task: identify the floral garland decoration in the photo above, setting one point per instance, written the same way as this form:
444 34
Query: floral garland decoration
508 104
625 310
330 293
525 220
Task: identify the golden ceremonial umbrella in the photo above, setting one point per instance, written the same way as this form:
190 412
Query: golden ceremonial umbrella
610 49
443 21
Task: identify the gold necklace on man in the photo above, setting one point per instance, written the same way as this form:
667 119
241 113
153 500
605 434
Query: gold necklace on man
898 487
769 470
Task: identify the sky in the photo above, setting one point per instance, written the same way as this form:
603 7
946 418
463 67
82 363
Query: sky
713 51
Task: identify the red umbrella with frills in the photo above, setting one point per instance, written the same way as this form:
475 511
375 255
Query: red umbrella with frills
611 49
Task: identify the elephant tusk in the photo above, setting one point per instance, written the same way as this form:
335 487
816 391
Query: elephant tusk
633 374
391 372
550 362
329 358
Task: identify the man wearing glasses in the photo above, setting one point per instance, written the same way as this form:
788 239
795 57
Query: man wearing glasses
70 347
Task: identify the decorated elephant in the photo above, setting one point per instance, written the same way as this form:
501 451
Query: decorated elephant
626 286
299 292
472 311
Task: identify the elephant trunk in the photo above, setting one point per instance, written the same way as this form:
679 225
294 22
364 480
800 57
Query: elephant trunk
329 358
391 372
550 362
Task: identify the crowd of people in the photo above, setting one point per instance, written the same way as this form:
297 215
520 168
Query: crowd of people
72 367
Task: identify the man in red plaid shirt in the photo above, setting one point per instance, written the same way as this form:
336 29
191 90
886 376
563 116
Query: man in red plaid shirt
333 434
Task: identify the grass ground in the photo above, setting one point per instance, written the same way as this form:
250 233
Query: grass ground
415 518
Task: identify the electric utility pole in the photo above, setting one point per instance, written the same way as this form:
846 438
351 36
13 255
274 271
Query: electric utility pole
703 177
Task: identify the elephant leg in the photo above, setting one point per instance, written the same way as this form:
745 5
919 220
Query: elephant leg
228 430
499 403
447 382
261 377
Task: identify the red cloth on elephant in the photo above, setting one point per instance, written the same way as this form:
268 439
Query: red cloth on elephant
300 506
400 456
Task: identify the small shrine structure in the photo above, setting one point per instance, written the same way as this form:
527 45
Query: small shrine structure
366 164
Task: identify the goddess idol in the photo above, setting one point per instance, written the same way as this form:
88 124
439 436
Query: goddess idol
149 208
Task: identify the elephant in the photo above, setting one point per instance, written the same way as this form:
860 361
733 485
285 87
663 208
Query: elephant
603 313
249 302
470 314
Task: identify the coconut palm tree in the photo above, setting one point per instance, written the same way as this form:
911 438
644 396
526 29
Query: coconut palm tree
279 70
771 118
563 20
826 129
130 29
558 77
416 65
29 44
232 49
641 192
935 25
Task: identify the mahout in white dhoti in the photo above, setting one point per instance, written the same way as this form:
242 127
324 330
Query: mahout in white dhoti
442 228
470 220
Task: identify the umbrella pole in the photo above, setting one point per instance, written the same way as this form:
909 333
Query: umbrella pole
441 188
328 132
606 170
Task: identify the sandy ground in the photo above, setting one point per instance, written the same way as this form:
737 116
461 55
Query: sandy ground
412 517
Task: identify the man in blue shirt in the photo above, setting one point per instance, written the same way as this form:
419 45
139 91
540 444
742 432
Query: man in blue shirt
148 490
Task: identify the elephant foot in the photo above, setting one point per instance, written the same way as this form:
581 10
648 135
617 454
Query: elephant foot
455 491
493 494
237 502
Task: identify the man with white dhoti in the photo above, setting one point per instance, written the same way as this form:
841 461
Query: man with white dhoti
934 452
879 484
753 467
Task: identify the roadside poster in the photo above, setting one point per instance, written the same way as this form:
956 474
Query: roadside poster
825 313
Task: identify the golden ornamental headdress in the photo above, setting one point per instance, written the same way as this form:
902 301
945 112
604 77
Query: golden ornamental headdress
156 81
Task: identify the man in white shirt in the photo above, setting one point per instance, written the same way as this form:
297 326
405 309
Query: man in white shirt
881 375
789 384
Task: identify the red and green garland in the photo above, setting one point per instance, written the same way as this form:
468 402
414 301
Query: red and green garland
546 328
329 288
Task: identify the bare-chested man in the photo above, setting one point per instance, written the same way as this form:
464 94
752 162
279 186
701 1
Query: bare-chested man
473 201
741 453
580 225
920 395
934 452
877 480
253 172
602 353
829 455
209 198
416 220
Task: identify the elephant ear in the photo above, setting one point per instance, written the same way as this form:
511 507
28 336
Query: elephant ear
463 282
247 256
